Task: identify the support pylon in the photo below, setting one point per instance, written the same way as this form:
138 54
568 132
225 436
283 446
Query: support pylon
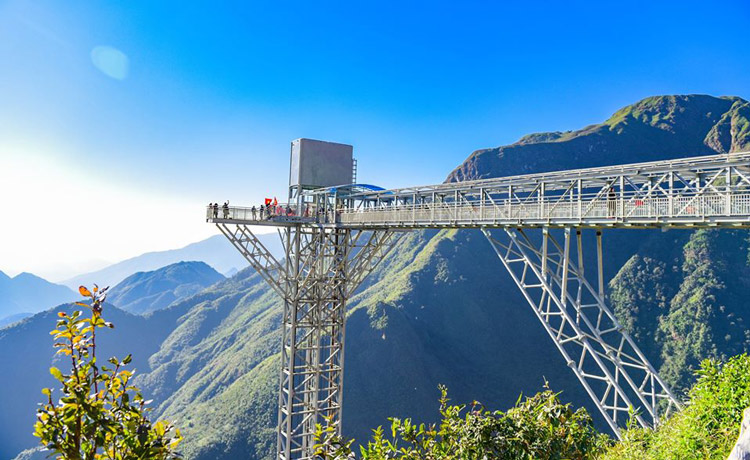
322 268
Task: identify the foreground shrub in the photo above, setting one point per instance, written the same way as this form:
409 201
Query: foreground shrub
99 413
706 429
538 427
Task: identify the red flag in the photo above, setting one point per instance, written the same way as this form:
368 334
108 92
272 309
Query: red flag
275 203
268 201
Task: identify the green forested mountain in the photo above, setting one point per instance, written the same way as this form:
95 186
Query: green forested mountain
441 309
684 295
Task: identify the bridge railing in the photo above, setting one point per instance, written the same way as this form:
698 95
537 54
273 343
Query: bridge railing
622 208
279 213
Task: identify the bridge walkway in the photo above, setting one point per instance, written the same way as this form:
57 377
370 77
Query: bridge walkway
711 191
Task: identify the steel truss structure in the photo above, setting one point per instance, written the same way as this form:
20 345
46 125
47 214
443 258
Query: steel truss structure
333 238
322 268
604 357
701 191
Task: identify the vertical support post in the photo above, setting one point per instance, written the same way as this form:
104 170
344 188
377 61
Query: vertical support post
599 263
671 194
571 209
581 275
565 264
414 208
541 200
545 247
728 199
481 204
433 205
455 206
510 202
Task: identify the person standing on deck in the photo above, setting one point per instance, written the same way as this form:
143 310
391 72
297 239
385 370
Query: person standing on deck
612 201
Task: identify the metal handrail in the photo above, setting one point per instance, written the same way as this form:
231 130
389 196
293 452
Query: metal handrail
644 169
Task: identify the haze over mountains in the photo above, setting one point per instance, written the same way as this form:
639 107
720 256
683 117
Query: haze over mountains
26 294
215 251
439 309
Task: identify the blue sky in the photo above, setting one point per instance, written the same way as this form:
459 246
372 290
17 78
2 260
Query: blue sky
120 120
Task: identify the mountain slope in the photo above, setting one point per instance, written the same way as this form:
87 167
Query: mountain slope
26 294
214 251
144 292
684 296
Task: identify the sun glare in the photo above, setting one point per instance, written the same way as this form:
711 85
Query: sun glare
77 218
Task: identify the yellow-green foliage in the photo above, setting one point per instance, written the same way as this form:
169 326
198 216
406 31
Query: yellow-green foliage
706 428
98 413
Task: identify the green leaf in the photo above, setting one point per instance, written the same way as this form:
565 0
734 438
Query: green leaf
56 373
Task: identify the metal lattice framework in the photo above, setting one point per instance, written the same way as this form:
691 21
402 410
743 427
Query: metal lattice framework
604 357
333 238
322 267
702 191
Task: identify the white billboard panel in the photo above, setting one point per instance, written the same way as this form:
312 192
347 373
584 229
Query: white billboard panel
316 164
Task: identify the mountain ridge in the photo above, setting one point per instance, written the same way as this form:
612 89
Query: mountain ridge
214 251
655 127
26 294
145 292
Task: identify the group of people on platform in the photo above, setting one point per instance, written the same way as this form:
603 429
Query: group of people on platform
266 210
269 210
214 210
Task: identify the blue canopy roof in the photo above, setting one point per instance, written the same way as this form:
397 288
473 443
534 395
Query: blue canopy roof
354 188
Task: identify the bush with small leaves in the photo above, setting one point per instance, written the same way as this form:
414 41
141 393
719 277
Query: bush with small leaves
538 427
99 413
708 425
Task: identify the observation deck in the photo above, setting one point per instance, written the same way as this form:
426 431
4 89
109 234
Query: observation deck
697 192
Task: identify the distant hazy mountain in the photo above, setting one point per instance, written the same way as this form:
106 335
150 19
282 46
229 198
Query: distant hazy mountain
26 294
144 292
216 251
8 320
